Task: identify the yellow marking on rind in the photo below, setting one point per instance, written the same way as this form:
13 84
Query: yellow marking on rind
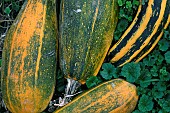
108 92
155 43
128 30
85 93
40 47
156 25
95 15
135 36
11 107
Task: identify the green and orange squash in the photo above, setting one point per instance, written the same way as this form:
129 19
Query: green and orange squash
143 34
29 58
86 30
114 96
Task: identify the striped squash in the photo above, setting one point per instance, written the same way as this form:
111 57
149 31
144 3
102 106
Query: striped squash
29 58
115 96
86 32
143 34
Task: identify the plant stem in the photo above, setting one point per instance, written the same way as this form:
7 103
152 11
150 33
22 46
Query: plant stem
152 80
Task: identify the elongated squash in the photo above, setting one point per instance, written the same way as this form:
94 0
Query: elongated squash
29 58
115 96
86 32
143 34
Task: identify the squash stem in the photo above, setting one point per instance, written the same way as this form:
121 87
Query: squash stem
70 91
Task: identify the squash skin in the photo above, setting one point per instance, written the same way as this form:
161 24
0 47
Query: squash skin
157 36
86 31
141 33
29 58
114 96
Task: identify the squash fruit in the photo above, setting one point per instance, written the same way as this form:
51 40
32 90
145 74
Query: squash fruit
29 58
114 96
143 34
86 30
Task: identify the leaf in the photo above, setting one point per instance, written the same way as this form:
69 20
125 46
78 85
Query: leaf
144 79
128 4
144 1
163 45
160 59
167 57
165 104
154 71
7 0
131 71
156 94
149 61
122 25
167 34
164 74
142 90
121 13
92 81
145 103
108 71
135 3
7 10
15 6
120 3
117 35
137 111
160 86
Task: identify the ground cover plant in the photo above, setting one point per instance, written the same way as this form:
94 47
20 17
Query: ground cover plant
151 75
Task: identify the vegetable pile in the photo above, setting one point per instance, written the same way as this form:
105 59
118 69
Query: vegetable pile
151 75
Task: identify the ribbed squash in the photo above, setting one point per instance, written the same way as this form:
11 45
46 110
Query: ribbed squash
29 58
86 32
143 34
115 96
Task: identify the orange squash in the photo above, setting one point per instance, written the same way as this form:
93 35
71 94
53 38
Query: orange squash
29 58
114 96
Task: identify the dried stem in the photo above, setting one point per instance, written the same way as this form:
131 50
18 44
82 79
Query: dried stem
70 91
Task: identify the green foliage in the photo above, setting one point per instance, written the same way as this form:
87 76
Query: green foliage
144 1
108 71
167 34
167 57
13 5
92 81
164 74
145 103
131 71
163 45
165 104
151 77
127 12
7 10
